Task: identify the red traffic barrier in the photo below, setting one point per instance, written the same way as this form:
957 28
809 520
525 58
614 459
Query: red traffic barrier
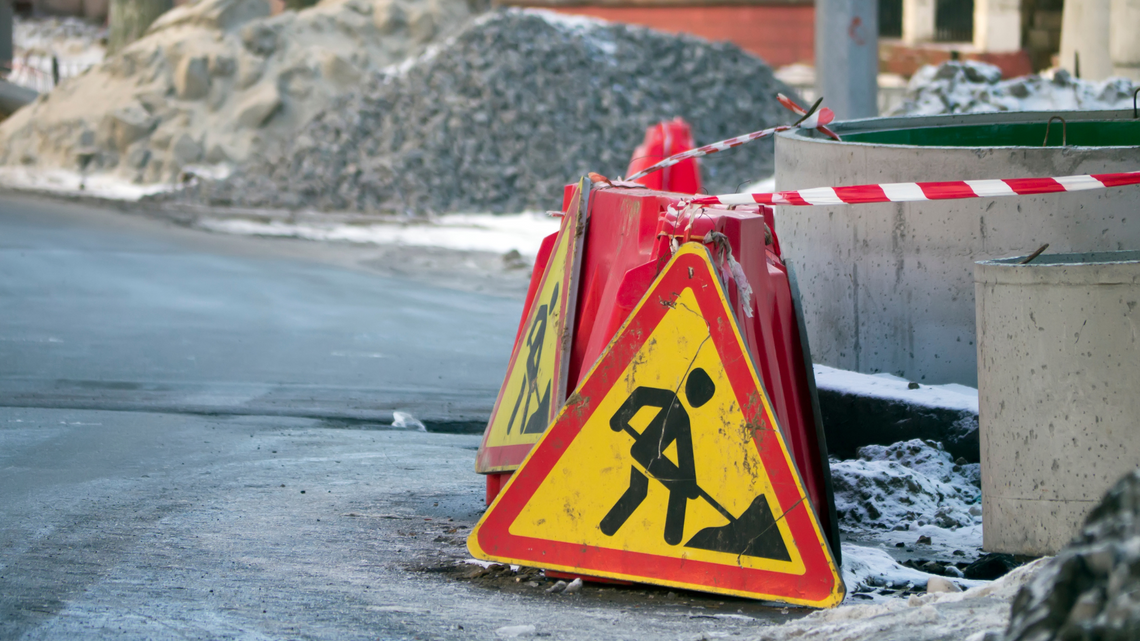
630 237
666 465
663 140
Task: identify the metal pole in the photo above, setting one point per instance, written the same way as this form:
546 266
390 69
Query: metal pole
5 32
847 56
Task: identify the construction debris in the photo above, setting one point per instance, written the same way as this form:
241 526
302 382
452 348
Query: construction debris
503 115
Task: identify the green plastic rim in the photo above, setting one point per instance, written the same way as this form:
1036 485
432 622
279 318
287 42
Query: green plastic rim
1089 133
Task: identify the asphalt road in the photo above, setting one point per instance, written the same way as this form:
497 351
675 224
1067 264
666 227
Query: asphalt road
195 443
107 311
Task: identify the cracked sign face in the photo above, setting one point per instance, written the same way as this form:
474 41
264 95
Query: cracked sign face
666 465
535 384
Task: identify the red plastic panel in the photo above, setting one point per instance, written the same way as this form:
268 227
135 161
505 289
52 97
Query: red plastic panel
661 141
628 242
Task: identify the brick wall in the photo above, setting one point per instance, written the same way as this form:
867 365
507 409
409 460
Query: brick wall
779 34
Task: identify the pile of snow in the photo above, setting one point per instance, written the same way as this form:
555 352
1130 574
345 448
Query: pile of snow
905 485
503 115
981 612
976 87
218 82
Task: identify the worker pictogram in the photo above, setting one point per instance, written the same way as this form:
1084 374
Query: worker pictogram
535 385
752 534
666 465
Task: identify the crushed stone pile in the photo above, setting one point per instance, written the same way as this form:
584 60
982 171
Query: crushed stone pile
1091 589
501 116
217 82
960 87
912 482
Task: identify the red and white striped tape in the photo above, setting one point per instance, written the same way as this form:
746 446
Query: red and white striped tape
915 192
817 120
791 105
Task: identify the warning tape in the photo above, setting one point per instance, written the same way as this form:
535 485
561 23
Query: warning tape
915 192
816 120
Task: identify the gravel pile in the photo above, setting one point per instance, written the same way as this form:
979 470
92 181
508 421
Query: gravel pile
502 115
977 87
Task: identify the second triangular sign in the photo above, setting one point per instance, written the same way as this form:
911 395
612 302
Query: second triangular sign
666 465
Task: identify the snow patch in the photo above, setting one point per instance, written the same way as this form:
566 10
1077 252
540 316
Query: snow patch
465 232
888 386
867 568
904 486
958 615
1005 588
73 183
486 564
976 87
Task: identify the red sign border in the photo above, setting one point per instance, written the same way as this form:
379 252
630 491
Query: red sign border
821 584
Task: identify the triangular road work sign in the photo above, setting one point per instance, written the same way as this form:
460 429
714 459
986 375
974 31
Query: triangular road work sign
535 385
666 465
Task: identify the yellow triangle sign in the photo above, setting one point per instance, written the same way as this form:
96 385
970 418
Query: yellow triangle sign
666 465
535 385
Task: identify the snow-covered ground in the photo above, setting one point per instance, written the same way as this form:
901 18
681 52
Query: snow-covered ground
464 232
945 616
909 501
72 183
977 87
906 486
950 396
498 233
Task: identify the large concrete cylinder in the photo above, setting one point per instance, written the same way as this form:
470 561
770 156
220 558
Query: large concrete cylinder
1058 392
890 287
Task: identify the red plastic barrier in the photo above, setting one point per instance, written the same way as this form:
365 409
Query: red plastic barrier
628 241
661 141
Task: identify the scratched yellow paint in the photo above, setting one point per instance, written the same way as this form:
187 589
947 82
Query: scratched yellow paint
530 397
594 472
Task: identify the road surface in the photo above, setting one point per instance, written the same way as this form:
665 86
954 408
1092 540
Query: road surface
195 443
